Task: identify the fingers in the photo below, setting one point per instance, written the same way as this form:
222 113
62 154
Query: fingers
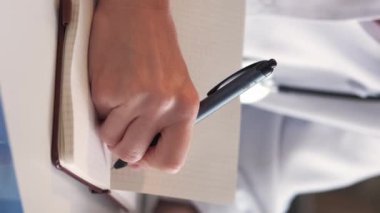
128 130
136 140
116 123
170 152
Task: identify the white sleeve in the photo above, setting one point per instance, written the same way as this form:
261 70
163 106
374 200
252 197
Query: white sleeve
283 156
318 9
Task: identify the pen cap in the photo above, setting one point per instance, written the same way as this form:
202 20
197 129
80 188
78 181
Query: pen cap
266 67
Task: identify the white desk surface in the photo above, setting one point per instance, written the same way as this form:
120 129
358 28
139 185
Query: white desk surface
27 57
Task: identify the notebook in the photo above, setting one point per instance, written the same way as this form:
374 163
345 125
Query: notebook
210 35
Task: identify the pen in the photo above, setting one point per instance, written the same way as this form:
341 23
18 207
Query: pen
224 92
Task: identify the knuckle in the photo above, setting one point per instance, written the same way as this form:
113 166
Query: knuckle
165 103
106 137
159 101
188 105
101 97
131 156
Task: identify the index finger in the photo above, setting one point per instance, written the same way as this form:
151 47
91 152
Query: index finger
171 150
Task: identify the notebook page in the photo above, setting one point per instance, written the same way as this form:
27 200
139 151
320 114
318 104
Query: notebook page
90 159
66 143
210 34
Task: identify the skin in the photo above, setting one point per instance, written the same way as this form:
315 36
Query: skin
140 83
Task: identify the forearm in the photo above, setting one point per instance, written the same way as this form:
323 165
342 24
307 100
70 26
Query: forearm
138 4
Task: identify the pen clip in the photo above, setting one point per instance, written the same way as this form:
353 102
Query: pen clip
230 78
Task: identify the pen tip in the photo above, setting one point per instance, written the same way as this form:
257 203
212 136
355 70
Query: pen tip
120 164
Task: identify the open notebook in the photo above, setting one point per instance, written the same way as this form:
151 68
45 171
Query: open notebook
210 34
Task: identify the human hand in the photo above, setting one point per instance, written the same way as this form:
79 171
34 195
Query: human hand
139 83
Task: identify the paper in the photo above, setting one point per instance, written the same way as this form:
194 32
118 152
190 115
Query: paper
83 152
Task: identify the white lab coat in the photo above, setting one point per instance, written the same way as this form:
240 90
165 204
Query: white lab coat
293 144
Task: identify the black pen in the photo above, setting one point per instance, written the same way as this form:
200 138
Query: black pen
224 92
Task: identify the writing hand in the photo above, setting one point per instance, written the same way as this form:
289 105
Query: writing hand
140 84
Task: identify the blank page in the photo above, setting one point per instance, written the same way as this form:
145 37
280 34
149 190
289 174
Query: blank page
211 36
